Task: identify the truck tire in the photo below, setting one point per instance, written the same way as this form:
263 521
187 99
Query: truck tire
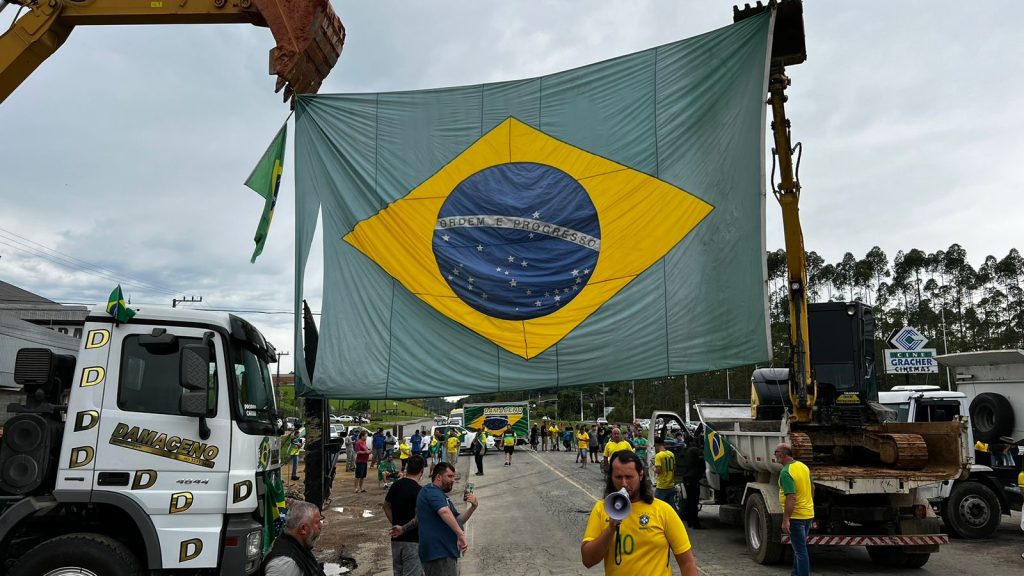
991 417
972 511
81 553
763 535
896 557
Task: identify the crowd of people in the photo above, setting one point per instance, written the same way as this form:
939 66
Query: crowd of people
637 543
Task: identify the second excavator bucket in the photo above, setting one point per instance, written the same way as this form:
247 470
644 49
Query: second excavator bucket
309 39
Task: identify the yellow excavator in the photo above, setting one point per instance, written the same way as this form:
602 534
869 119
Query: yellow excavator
309 34
829 388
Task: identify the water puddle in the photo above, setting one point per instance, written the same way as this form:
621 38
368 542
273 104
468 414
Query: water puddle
339 509
344 565
367 514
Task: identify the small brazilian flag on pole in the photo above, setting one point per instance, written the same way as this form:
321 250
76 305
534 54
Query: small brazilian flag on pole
265 180
117 307
717 451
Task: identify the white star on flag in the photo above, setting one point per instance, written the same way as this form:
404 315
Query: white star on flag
537 303
586 271
575 272
511 259
445 237
536 215
479 248
512 283
557 298
524 264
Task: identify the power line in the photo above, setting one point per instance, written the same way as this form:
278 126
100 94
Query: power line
202 309
62 259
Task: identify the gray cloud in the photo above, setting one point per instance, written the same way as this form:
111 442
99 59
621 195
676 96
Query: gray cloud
128 148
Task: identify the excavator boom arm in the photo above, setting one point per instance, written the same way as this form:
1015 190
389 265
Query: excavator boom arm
309 34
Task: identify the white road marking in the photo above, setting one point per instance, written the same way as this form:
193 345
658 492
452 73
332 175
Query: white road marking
564 477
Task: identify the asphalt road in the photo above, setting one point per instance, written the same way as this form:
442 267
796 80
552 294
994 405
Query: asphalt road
533 514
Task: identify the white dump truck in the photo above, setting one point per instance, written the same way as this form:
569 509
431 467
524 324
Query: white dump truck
971 506
146 454
871 505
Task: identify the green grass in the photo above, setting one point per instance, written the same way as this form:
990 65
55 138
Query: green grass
405 410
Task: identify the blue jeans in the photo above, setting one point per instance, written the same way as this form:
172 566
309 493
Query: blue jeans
666 495
798 530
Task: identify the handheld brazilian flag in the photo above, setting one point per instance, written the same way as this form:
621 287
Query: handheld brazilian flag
599 224
717 451
275 508
117 307
265 180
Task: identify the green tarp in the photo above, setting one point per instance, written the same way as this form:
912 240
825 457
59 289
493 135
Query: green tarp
620 205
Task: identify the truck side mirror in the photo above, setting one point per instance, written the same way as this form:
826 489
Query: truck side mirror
194 373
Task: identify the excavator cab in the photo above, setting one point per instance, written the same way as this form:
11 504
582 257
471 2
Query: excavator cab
308 33
842 343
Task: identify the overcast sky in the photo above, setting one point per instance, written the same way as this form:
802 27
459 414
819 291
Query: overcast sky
127 149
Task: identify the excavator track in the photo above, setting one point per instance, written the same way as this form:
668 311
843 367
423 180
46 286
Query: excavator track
904 451
803 450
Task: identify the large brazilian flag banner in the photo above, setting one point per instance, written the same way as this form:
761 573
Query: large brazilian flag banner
599 224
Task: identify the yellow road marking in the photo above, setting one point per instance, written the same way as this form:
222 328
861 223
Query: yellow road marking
564 477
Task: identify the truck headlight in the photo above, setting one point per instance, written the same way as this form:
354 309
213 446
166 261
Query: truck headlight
253 544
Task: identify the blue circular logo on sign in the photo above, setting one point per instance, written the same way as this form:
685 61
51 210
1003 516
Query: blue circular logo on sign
517 241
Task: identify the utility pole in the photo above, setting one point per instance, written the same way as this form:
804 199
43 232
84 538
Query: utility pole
632 392
183 300
686 398
581 406
277 389
728 393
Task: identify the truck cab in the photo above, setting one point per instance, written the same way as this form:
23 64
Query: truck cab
970 507
156 441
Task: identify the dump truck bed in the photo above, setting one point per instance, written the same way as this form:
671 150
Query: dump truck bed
754 443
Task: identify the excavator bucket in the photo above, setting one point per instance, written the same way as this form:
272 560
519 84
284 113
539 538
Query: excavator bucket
309 38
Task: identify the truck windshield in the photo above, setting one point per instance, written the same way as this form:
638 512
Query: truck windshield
254 390
902 410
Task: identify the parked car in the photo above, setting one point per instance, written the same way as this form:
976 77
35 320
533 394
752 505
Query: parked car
346 418
439 419
465 436
338 433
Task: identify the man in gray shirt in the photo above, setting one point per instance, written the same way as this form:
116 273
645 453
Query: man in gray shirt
292 553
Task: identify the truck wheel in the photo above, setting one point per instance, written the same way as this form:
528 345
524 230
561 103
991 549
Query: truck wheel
763 535
991 417
896 557
972 511
78 554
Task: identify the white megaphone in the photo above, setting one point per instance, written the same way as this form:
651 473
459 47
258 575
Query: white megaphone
617 505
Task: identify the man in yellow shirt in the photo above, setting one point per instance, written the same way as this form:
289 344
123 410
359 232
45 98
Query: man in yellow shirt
554 431
614 445
583 441
404 451
453 448
665 473
641 542
796 494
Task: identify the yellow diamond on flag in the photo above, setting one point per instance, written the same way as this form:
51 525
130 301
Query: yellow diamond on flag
521 237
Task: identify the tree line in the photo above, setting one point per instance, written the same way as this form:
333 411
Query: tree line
958 306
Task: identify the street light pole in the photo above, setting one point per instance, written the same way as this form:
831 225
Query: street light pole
728 393
632 392
581 406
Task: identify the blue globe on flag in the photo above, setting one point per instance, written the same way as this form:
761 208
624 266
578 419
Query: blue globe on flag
517 241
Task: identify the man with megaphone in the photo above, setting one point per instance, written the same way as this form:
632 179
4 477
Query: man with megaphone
630 530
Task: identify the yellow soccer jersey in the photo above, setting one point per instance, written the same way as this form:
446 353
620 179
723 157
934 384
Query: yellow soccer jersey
404 451
665 460
645 538
453 444
795 479
613 447
582 440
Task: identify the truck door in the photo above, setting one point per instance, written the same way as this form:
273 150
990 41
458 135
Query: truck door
150 453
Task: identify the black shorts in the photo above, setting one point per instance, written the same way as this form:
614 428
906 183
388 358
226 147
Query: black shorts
360 469
509 449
